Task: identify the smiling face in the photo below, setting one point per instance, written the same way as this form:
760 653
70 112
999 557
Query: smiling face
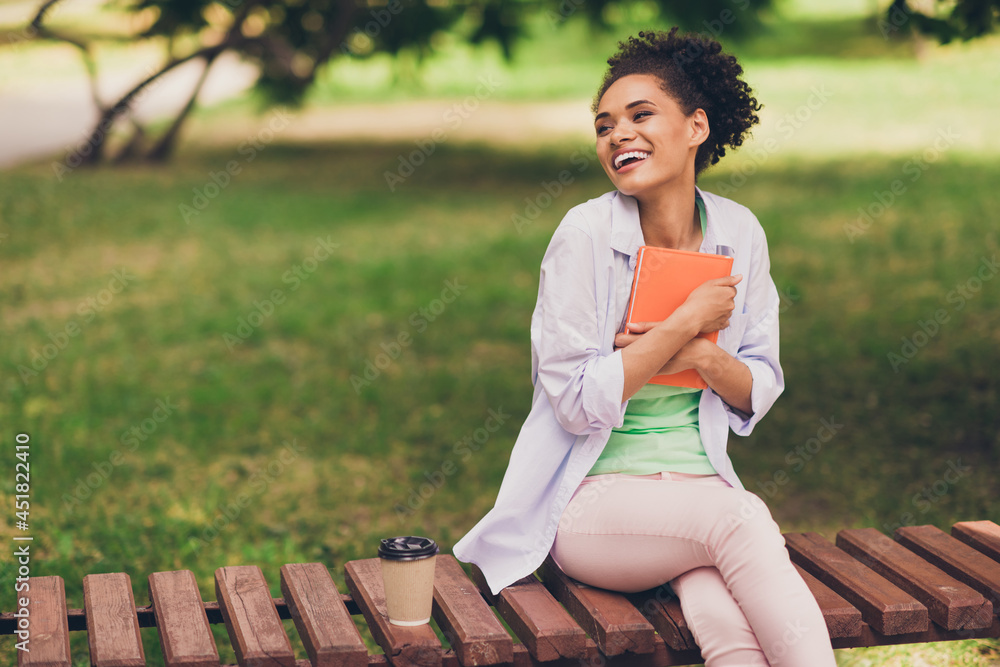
644 138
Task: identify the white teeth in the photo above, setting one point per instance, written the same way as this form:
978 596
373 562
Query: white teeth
642 155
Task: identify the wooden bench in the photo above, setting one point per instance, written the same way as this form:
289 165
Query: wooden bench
925 586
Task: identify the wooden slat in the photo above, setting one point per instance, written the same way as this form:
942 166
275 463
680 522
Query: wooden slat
147 618
414 646
663 610
329 635
842 618
661 656
934 633
468 623
609 618
255 630
112 625
961 561
980 535
883 605
536 618
950 603
48 632
185 636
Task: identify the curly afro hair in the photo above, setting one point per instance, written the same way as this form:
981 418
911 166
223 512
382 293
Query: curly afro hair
696 74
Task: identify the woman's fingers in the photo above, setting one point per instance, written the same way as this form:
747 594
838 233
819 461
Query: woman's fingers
640 327
712 302
714 307
625 339
633 331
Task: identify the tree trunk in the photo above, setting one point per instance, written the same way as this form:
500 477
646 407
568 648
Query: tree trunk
165 146
95 144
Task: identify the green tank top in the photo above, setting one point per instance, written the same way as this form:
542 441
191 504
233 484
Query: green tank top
660 429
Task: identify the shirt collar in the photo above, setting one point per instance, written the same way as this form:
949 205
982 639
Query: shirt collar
626 233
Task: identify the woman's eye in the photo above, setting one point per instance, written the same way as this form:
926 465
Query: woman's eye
603 129
642 114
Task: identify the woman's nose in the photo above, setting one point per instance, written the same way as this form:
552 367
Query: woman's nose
621 133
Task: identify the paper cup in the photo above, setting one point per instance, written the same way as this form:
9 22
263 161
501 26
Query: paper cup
408 577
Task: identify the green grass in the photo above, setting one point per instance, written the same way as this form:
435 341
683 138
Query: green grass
364 453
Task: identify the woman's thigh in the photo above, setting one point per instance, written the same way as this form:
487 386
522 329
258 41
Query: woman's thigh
630 533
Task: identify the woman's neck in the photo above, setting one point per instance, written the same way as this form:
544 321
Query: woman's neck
671 220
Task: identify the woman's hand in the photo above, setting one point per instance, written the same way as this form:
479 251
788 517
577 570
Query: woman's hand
710 304
690 355
693 355
706 309
635 331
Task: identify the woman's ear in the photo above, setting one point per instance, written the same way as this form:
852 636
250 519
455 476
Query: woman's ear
699 127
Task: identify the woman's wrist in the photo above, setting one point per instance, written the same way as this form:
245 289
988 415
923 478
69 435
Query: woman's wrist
729 377
681 325
705 357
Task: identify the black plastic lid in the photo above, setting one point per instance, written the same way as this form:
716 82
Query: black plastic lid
408 547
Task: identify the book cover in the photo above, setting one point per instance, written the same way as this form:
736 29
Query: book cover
664 278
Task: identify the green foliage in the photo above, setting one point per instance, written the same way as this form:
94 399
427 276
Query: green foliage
961 19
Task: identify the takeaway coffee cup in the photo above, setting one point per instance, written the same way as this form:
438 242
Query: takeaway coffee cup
408 577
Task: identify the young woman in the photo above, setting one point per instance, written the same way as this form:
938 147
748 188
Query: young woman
627 484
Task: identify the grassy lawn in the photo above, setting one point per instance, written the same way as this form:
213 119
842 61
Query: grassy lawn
286 361
353 381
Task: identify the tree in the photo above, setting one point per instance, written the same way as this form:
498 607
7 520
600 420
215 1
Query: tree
956 19
291 40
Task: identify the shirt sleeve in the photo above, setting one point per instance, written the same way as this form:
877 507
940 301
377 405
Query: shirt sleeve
580 373
758 348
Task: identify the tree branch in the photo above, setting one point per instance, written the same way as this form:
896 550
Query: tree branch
110 114
36 22
166 143
336 36
88 58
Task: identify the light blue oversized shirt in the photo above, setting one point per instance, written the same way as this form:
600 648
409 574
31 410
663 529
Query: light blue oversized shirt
578 377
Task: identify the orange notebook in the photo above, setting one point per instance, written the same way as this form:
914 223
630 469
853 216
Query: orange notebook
664 278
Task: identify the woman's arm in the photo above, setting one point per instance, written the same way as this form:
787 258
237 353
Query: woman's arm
572 360
728 377
654 346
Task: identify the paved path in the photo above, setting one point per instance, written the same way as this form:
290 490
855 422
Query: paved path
47 121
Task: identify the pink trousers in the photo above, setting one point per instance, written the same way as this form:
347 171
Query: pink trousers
719 549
